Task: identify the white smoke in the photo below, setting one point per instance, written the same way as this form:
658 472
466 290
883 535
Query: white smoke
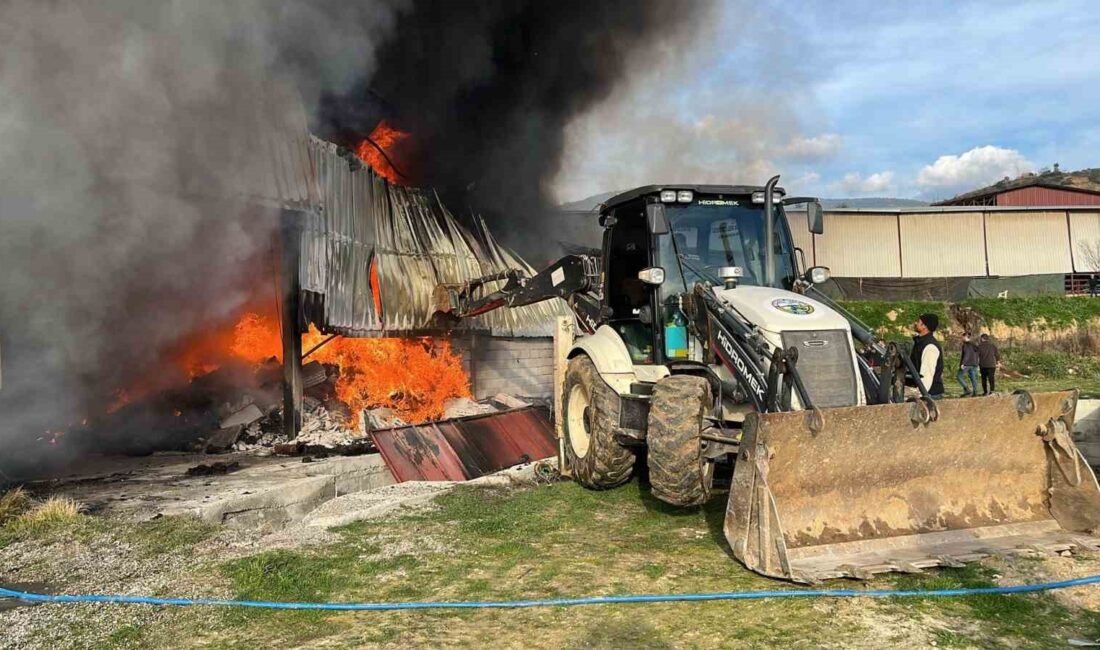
693 117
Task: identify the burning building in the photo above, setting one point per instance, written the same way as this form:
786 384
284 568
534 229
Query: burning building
165 210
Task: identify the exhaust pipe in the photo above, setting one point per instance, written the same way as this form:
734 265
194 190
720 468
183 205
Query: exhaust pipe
769 232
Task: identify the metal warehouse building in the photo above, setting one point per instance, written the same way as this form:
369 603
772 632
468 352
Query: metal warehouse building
1047 188
904 248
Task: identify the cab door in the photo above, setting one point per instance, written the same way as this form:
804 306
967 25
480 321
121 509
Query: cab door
630 302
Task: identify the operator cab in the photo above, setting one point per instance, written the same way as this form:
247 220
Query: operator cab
705 228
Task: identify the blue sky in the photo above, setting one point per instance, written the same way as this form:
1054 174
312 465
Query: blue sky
855 98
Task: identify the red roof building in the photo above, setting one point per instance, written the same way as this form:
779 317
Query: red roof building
1046 189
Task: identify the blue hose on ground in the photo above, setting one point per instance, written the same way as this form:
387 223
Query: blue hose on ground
554 602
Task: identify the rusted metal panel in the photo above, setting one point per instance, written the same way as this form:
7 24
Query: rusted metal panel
466 448
1046 196
876 489
419 453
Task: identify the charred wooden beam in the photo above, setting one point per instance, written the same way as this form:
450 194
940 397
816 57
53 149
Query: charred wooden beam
291 319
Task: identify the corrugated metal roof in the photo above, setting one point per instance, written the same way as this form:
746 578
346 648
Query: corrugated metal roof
414 244
466 448
1043 196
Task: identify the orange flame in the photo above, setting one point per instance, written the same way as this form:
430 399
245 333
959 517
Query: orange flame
386 137
414 377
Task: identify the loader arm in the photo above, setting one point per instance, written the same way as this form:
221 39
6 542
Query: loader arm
573 278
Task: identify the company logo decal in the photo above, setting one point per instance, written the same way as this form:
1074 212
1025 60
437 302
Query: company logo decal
792 306
730 352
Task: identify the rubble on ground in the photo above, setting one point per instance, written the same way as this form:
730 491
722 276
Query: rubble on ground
238 408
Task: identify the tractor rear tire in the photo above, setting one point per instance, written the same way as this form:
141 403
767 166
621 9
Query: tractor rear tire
590 411
678 473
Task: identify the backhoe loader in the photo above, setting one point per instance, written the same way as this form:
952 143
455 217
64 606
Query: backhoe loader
707 351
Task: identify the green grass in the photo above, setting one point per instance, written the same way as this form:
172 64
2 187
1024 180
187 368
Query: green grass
1053 311
168 534
562 540
127 636
994 620
893 319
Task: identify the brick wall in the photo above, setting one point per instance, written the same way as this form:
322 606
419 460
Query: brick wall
516 366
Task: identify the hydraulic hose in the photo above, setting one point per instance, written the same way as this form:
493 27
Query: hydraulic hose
553 602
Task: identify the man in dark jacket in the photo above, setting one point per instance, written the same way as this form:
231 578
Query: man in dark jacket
968 367
989 357
927 354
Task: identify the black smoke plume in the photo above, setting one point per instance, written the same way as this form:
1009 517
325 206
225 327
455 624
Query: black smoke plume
487 88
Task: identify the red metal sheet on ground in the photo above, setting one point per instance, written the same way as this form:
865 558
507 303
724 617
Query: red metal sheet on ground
466 448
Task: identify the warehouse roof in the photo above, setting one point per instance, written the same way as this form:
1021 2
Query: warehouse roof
1086 181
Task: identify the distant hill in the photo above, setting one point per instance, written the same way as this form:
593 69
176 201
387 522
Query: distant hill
588 204
871 203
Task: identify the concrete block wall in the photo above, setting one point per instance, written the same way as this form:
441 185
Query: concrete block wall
516 366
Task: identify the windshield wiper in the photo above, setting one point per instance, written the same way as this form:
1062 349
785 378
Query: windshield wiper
701 273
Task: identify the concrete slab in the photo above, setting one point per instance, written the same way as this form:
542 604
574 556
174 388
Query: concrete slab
267 492
378 502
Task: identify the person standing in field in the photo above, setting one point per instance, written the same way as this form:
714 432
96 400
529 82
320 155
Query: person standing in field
989 357
927 355
968 367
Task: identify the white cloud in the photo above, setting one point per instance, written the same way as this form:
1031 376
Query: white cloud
855 183
809 177
818 147
973 169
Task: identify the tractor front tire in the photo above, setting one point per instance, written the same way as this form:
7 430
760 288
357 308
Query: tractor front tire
591 412
678 472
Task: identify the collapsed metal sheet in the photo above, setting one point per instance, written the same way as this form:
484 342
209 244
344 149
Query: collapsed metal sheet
466 448
373 256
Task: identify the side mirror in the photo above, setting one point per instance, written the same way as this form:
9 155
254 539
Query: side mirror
654 275
656 219
815 217
817 274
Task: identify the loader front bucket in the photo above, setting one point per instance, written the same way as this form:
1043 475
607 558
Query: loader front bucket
880 488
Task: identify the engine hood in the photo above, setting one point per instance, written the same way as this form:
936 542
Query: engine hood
777 310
